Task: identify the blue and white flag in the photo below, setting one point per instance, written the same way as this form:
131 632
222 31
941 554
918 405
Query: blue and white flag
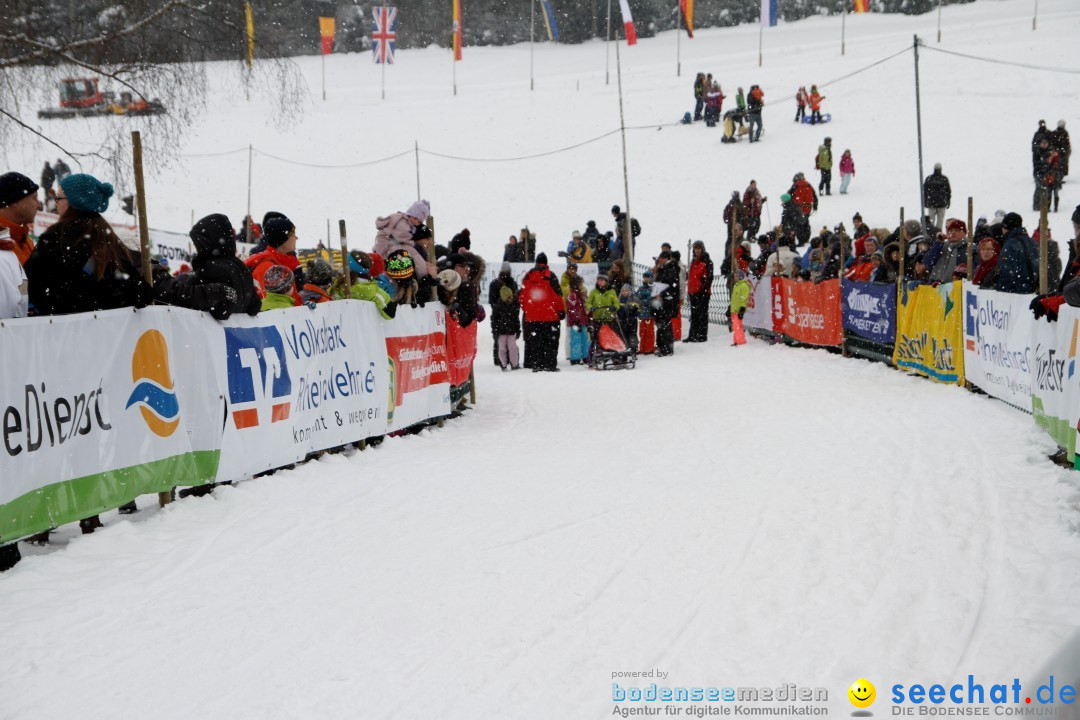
549 20
769 11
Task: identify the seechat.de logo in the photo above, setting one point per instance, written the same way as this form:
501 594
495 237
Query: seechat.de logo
259 384
154 393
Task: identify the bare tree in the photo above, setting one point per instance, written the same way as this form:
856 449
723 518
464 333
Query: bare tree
151 50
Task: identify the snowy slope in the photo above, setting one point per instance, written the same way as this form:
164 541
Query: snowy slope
733 517
978 119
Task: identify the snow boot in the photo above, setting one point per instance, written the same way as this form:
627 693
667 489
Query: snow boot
90 524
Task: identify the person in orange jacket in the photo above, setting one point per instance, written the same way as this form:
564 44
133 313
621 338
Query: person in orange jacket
280 236
18 206
815 99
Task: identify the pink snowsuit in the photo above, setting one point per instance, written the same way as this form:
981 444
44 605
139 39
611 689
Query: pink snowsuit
395 233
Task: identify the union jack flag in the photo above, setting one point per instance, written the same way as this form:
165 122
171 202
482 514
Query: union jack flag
383 34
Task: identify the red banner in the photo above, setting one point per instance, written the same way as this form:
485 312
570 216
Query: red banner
418 362
460 350
808 312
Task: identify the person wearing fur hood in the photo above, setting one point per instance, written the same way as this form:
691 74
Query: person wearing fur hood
398 231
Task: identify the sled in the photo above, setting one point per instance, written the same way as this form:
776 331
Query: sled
610 350
825 117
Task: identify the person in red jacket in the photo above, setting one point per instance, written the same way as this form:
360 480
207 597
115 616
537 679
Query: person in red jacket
280 236
699 290
543 309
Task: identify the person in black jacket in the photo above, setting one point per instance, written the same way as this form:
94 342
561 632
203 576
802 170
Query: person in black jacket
219 283
79 264
667 272
937 196
514 251
505 318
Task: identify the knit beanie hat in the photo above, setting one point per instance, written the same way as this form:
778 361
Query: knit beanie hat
785 198
276 231
270 215
541 259
87 193
505 268
419 210
450 280
14 187
279 279
319 272
214 234
399 265
1011 222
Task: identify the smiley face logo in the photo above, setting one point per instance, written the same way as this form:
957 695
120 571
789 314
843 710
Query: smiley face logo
862 693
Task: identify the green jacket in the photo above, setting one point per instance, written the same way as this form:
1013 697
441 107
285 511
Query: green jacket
276 301
740 296
370 291
824 157
740 101
602 304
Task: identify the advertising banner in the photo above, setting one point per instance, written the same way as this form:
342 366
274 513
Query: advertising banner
870 311
759 314
1055 380
299 380
419 368
998 334
172 247
460 350
808 312
929 332
99 409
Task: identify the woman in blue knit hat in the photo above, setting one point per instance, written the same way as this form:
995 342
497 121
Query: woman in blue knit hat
79 264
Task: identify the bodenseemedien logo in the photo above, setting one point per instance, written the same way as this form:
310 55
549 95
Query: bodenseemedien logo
862 695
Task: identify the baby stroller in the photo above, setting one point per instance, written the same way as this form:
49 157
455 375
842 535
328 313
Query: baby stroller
610 350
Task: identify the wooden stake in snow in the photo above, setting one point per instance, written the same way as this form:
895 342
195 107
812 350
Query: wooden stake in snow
164 498
970 238
345 259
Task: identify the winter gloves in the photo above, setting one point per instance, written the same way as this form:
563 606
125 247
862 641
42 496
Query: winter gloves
1047 305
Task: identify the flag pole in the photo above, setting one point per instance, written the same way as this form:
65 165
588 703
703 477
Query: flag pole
607 48
628 236
761 38
532 41
843 31
1035 16
383 63
323 76
678 40
940 3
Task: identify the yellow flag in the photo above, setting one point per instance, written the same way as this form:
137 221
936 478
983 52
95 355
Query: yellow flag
250 33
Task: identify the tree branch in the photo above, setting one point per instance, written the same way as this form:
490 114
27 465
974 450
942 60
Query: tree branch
44 51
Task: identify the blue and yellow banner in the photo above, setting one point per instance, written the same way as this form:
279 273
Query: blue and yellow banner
930 332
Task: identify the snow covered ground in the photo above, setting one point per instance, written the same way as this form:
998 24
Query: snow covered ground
750 516
757 516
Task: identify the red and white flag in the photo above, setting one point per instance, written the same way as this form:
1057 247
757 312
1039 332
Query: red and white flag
628 22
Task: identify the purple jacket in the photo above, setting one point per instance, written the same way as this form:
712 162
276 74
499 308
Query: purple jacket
576 314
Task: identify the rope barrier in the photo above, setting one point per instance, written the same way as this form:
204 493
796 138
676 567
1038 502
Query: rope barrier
1047 68
324 166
